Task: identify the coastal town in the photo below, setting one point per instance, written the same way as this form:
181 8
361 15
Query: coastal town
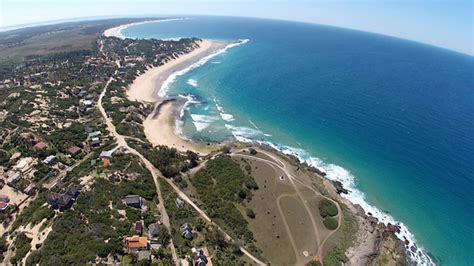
81 181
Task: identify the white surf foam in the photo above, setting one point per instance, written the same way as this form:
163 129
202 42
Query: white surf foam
201 122
225 116
337 173
192 82
119 33
165 87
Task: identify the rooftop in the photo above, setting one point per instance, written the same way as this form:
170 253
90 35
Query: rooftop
137 242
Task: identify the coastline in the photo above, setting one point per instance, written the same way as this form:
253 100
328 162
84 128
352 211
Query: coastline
160 129
117 31
160 125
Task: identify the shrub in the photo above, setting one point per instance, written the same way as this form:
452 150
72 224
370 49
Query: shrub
253 151
330 223
250 213
327 208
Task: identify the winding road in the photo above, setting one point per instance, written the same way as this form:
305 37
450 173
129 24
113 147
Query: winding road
157 174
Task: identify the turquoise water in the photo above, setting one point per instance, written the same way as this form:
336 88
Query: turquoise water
392 119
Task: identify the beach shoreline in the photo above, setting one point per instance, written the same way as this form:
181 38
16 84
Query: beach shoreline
160 125
116 31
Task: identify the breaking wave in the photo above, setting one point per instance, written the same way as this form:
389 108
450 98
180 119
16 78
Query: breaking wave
165 87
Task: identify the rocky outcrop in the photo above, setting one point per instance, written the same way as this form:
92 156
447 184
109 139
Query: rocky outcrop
339 187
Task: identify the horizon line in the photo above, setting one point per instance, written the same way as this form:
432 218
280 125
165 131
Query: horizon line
105 17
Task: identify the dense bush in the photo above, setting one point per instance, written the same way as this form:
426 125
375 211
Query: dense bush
22 247
335 257
220 186
327 208
4 156
168 160
330 223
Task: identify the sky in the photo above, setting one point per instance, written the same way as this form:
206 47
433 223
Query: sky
444 23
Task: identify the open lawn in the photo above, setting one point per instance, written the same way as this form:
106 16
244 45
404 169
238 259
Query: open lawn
287 226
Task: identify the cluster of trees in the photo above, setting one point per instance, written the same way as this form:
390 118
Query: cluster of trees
220 185
327 210
64 138
91 228
168 160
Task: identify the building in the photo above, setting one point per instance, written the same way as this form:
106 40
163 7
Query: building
4 206
136 243
133 201
199 258
153 230
14 177
51 159
24 164
106 154
63 201
40 146
74 150
94 134
95 142
187 231
105 162
87 103
138 227
4 202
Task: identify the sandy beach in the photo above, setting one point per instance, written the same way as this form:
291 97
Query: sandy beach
115 31
145 87
160 126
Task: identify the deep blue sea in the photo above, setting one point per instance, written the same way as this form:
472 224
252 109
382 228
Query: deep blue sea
392 119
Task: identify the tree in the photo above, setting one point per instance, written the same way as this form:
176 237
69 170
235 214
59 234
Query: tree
330 223
327 208
217 238
4 156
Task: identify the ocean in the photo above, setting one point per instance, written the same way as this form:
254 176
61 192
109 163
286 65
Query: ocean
392 119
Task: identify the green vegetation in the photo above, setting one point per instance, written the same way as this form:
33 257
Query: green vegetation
67 137
220 186
168 160
250 213
330 223
92 228
18 45
34 213
22 246
327 208
4 156
335 257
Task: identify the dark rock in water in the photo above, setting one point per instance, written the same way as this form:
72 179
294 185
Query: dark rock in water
413 249
393 228
372 220
316 170
340 189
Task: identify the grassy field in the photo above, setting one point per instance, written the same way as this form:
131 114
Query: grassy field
277 207
285 210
